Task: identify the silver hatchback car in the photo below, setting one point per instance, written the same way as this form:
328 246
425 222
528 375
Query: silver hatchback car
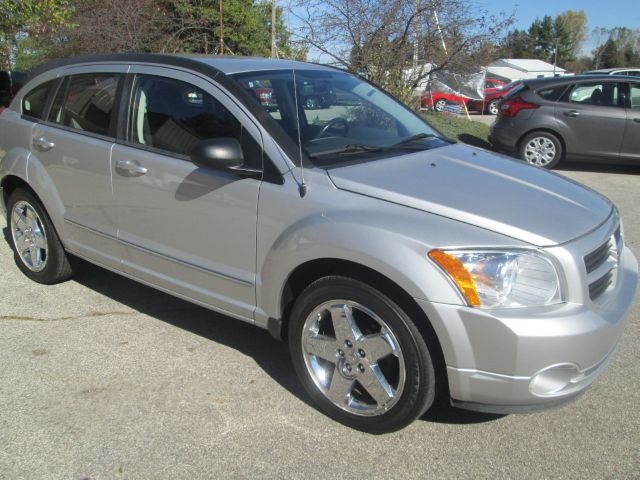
399 266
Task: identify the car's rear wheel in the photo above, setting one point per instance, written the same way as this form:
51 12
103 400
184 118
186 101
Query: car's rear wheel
439 105
37 249
492 107
542 149
359 356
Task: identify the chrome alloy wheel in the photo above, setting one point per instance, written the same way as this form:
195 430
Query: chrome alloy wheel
29 236
540 151
493 107
439 105
353 357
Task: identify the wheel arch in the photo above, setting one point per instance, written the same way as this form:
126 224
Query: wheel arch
26 171
305 274
11 183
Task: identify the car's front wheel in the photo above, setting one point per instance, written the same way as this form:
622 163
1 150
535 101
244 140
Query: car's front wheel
359 356
38 251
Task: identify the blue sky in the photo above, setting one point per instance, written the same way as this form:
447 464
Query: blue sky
600 13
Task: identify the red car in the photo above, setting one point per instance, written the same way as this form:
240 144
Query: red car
491 99
438 100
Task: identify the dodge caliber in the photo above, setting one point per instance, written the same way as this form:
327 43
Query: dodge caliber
399 266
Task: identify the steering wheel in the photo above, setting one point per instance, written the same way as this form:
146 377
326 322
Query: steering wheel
332 124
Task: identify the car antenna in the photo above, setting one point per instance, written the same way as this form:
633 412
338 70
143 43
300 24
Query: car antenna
302 187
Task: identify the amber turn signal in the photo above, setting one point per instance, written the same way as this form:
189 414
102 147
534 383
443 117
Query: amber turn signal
460 276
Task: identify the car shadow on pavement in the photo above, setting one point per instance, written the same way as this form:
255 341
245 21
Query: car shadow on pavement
599 168
271 355
442 412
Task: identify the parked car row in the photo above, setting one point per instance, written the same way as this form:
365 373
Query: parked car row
588 117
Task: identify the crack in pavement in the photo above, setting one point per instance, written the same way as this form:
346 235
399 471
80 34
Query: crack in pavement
89 315
74 317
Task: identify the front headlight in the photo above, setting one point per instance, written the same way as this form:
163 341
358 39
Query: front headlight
491 279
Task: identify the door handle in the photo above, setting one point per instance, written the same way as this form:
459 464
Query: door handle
131 167
572 113
42 144
637 120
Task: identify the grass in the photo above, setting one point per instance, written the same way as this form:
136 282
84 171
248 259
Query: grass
460 128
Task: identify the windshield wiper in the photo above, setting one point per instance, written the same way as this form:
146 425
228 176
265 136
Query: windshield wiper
412 139
360 147
351 148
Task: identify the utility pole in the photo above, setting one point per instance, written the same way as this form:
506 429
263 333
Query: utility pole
555 57
417 35
221 31
274 50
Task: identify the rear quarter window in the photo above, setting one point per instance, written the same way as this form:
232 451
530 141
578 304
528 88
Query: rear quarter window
35 101
515 90
552 94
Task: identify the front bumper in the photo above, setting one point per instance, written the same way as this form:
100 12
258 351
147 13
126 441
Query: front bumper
518 360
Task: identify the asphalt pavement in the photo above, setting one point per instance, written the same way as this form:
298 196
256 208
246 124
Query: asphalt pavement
103 378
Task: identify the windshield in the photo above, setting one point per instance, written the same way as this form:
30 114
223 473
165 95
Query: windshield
342 118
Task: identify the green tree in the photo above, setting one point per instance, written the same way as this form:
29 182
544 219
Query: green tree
517 44
543 33
549 38
26 30
609 55
571 32
246 27
621 49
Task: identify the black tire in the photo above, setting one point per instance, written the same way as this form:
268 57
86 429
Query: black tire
439 105
492 107
419 388
56 265
550 150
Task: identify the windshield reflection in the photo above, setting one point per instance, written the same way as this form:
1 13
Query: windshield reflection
338 115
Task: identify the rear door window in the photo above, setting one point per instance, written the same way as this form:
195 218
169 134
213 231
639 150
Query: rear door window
605 94
85 102
35 101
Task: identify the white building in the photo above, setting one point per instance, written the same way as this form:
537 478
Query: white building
510 69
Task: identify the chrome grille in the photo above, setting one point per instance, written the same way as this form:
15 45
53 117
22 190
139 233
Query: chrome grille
601 265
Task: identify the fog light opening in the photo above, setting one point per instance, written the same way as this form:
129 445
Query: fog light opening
552 380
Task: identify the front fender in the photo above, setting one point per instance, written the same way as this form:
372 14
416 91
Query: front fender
401 259
329 223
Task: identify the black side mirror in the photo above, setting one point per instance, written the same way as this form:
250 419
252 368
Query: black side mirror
223 153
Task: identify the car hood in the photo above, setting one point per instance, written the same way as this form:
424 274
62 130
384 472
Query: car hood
484 189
